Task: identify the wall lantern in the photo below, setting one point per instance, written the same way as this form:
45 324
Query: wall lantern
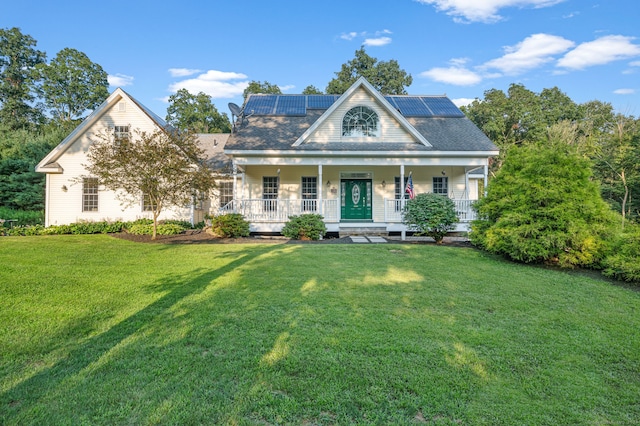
64 188
384 183
328 183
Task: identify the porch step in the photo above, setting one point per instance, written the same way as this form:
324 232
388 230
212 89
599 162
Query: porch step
353 231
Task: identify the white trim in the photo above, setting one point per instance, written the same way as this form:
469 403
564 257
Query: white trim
324 154
363 83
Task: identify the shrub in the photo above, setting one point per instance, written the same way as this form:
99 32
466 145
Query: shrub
305 227
163 229
432 215
543 206
230 225
184 223
23 217
623 262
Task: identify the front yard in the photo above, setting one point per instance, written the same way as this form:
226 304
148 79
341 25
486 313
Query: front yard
96 330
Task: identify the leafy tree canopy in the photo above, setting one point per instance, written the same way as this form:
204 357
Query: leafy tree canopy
196 113
387 77
259 87
312 90
72 84
167 167
18 59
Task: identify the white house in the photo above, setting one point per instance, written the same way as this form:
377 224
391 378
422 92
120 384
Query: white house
345 157
72 196
349 157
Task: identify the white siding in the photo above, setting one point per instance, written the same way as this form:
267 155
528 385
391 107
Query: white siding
390 129
65 207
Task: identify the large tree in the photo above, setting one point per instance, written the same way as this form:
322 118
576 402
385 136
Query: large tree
168 168
18 59
259 87
196 113
73 84
387 77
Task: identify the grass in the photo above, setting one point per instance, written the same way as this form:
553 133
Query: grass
95 330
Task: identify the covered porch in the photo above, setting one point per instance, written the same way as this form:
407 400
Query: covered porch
351 198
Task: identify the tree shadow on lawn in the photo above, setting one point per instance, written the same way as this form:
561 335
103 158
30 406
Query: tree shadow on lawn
22 400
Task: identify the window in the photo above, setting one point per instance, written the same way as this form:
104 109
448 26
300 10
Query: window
360 121
309 194
226 192
441 185
147 205
121 134
270 192
90 195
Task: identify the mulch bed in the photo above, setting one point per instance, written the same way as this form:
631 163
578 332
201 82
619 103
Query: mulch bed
202 237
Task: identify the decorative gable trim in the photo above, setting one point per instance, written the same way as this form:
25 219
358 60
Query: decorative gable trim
390 109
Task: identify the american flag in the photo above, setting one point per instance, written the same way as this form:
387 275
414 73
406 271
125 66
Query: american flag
409 188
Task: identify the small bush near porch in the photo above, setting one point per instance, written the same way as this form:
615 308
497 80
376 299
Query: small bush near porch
96 330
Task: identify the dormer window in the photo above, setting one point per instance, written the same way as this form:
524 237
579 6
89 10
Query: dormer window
360 121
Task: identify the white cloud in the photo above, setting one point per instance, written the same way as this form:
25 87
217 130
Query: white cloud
377 38
601 51
456 75
380 41
462 101
119 80
634 64
182 72
624 91
287 87
483 10
349 36
530 53
217 84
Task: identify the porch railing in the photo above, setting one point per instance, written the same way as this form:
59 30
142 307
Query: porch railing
393 210
260 210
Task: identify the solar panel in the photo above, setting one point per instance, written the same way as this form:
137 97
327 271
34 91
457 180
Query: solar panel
442 106
391 101
261 104
293 105
321 101
412 106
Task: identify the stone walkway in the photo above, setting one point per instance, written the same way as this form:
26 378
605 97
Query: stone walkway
368 240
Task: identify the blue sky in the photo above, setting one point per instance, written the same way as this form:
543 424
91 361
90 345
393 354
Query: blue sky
590 49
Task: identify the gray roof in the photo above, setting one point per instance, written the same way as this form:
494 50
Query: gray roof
280 132
213 145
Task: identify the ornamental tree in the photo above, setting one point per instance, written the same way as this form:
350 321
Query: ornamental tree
433 215
168 168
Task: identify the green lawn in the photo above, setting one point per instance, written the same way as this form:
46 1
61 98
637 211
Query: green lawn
96 330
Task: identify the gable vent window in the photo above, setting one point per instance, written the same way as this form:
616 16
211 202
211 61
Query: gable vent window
122 107
360 121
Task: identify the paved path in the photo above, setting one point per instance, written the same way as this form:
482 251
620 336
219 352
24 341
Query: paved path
368 240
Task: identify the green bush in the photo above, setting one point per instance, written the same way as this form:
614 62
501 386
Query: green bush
543 206
623 262
305 227
184 223
163 229
23 217
230 225
433 215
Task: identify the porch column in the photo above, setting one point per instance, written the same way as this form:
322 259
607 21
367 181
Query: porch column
486 176
403 233
319 188
235 179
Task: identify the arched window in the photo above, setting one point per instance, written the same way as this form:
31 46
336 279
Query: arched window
360 121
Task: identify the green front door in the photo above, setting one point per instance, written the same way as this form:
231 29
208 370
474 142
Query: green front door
356 199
